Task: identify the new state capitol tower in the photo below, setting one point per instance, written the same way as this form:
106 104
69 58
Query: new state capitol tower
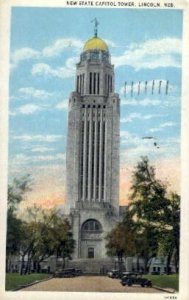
93 151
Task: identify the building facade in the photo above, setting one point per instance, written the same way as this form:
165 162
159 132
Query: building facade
93 151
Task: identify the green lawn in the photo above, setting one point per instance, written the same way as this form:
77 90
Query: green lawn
14 280
165 281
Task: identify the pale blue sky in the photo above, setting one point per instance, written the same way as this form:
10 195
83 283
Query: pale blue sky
45 45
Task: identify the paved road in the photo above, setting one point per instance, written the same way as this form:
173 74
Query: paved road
87 284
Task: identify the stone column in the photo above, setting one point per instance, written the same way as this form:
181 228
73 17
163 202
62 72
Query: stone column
95 154
100 157
84 154
105 159
90 155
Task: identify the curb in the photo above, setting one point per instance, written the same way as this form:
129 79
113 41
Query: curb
30 284
167 290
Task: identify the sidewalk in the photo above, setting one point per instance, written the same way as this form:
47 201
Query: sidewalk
167 290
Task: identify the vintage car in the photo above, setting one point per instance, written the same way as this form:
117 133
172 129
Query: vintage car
114 274
66 273
134 278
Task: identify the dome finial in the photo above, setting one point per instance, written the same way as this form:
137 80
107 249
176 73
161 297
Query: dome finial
96 23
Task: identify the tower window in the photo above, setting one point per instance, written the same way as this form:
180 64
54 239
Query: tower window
92 225
106 84
98 83
77 83
90 252
94 83
90 83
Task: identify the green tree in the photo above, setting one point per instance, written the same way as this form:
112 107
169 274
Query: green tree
16 194
121 240
155 212
45 233
170 237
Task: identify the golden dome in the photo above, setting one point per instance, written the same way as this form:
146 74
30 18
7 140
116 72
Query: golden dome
95 43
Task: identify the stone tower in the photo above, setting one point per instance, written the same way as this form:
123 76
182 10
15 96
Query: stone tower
93 151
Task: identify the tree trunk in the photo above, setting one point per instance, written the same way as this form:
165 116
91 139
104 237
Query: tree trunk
28 266
137 264
176 260
177 255
63 263
22 264
169 261
145 264
8 263
38 267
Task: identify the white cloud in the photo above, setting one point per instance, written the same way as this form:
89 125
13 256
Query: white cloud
137 147
151 54
138 116
29 109
21 159
42 149
63 105
23 54
168 124
161 126
110 43
129 138
18 160
42 69
38 138
59 45
71 62
50 51
30 92
143 102
40 158
155 129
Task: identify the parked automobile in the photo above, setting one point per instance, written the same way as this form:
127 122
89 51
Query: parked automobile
66 273
117 274
114 274
135 278
78 272
127 274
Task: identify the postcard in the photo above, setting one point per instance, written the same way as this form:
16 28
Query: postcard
94 149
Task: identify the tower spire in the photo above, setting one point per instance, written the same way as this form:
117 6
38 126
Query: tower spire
96 23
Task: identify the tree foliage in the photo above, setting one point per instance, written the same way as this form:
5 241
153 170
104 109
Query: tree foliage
152 222
121 239
40 234
157 212
16 193
44 234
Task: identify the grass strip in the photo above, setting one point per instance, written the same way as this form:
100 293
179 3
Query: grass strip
15 280
165 281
